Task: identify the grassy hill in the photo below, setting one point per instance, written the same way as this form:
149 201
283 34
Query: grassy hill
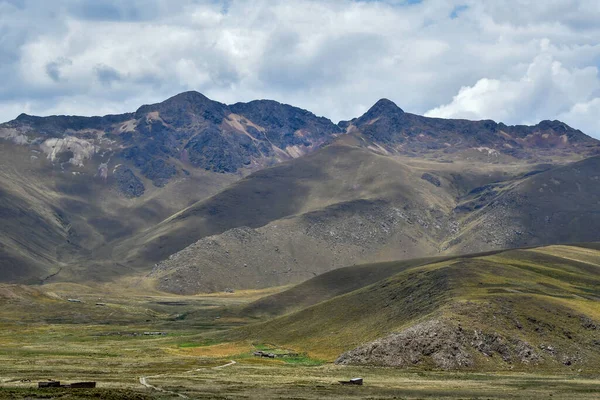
514 309
329 285
339 206
45 336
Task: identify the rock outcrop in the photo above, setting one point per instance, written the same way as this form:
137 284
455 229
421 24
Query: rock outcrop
440 344
127 183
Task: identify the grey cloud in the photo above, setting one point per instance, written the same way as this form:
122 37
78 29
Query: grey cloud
16 3
578 15
457 10
106 75
53 69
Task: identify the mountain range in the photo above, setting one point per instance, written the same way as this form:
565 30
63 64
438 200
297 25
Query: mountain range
193 195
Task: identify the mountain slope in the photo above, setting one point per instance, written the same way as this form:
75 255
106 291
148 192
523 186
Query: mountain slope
409 209
33 232
120 193
339 206
54 217
517 309
560 205
110 177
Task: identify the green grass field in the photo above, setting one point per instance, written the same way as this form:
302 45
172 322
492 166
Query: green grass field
43 336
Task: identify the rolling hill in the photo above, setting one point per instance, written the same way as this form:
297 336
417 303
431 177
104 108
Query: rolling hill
520 309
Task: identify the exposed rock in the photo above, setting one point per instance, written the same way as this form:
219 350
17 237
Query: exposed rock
440 343
435 341
434 180
69 149
287 126
509 349
57 125
189 126
213 151
127 183
159 171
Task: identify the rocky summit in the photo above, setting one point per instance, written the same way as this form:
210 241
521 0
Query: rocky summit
159 140
187 129
391 130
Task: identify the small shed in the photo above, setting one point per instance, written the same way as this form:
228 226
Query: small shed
82 385
48 384
353 381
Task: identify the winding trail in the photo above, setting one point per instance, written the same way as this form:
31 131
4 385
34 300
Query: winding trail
144 379
230 363
149 386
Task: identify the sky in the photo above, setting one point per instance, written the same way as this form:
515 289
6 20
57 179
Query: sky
515 61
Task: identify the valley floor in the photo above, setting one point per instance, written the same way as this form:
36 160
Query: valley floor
116 338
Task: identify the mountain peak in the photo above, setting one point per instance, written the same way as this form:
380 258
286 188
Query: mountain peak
555 125
23 116
382 108
179 108
384 105
190 95
191 99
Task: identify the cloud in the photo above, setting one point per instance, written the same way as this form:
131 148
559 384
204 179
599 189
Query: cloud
584 115
546 90
336 58
106 75
53 68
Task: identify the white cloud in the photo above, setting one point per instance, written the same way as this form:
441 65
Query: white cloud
586 116
517 61
546 90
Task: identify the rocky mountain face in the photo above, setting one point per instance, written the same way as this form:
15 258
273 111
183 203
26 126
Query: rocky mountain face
160 141
390 130
104 178
267 194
